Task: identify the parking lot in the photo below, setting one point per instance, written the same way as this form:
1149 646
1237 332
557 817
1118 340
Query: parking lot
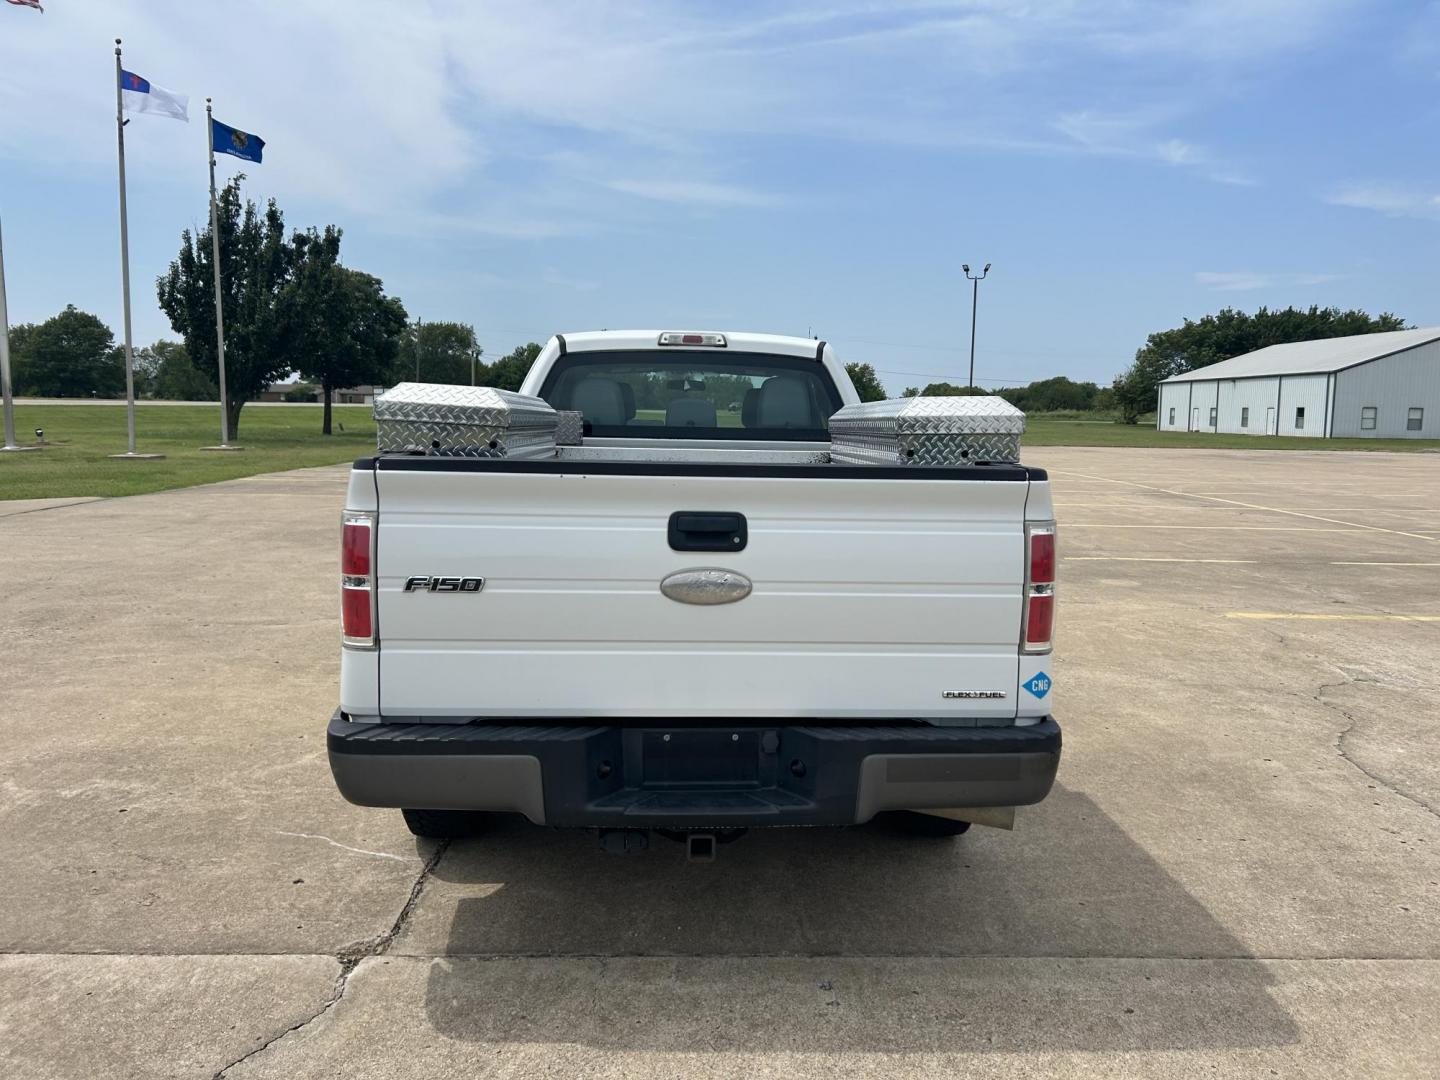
1237 874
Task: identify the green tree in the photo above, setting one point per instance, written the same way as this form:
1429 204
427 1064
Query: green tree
510 370
1052 395
441 352
867 383
255 266
71 354
20 335
172 376
945 389
1227 333
340 326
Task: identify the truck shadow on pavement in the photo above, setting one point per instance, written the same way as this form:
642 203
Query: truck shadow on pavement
1064 935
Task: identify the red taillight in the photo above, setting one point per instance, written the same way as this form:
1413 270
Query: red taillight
355 549
1042 558
1039 615
357 579
355 621
1040 620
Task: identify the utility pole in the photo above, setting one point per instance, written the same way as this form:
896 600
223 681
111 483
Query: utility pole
974 303
419 325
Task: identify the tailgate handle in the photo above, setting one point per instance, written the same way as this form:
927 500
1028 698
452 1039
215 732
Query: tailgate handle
701 530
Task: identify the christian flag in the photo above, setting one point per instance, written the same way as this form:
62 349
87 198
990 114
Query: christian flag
141 96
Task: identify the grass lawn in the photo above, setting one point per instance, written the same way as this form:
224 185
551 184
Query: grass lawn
275 437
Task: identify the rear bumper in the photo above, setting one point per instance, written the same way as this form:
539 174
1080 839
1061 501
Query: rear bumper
687 776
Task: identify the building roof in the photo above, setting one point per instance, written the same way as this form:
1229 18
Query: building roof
1311 357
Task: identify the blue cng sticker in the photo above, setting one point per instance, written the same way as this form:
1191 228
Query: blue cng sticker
1039 685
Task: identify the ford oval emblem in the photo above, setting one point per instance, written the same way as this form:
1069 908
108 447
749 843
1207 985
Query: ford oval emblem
706 585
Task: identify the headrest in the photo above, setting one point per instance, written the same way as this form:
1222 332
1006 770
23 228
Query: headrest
690 412
601 400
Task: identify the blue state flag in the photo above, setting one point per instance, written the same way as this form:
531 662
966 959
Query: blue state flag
227 140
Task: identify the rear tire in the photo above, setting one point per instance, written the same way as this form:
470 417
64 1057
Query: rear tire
446 824
917 824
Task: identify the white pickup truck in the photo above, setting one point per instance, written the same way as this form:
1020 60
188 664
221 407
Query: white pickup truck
698 619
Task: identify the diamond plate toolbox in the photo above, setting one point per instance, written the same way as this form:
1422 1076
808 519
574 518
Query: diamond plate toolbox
464 421
927 431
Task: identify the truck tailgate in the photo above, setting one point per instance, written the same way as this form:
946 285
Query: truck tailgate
872 597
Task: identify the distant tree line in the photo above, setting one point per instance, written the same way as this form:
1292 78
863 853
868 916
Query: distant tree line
1058 394
73 354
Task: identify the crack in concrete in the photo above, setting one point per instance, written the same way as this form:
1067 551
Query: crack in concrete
82 500
350 957
1345 755
1351 720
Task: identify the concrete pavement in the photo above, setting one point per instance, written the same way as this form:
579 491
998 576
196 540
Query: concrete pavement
1236 874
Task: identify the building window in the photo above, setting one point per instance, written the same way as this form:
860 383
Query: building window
1299 419
1415 420
1212 417
1245 417
1172 417
1367 418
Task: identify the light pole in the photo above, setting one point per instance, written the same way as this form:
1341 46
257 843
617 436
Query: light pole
974 303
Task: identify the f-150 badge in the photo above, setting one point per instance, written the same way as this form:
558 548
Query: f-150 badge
425 583
706 585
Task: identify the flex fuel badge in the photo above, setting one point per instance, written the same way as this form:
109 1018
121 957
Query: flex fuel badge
1039 685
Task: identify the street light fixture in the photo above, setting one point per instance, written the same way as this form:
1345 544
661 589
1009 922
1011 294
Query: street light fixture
974 303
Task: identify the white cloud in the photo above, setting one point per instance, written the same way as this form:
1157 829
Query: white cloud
1393 200
1177 152
443 107
1246 280
696 192
1132 135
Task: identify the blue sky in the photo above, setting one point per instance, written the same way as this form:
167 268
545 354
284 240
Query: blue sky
534 167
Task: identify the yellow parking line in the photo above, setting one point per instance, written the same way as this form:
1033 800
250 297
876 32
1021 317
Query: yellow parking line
1301 616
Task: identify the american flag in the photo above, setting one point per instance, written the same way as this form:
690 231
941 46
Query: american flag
27 3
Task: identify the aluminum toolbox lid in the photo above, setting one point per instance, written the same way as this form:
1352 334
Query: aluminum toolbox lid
469 421
478 406
976 415
927 431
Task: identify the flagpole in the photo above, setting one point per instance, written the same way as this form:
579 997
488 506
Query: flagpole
125 263
5 390
219 307
125 277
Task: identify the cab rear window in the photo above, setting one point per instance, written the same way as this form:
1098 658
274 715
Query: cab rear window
694 395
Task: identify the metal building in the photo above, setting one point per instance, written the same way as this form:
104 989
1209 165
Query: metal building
1367 386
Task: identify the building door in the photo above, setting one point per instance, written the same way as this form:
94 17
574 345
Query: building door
1194 419
1270 420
